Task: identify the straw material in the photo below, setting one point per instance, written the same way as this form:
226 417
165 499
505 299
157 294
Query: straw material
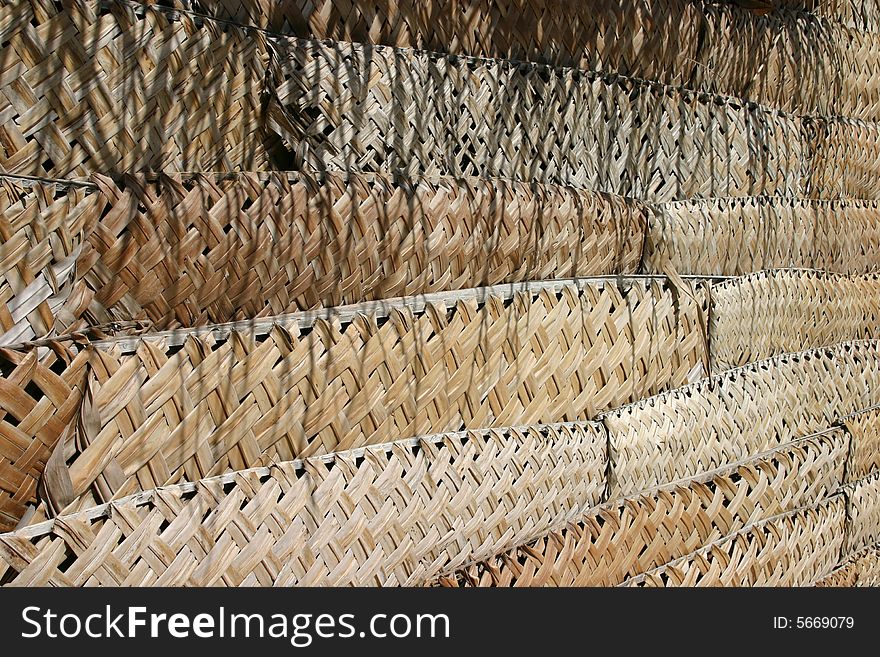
372 108
845 159
36 406
192 250
794 549
735 236
861 569
864 427
863 512
730 416
393 515
769 313
190 405
42 228
630 536
115 87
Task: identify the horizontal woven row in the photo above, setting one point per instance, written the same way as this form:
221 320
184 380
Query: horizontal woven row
186 251
769 313
794 549
864 427
735 236
863 511
799 63
729 416
393 515
630 536
192 404
861 569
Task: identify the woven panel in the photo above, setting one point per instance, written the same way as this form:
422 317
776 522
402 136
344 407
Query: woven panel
373 108
735 236
864 459
795 549
192 405
845 159
770 313
206 249
116 87
36 406
861 569
42 227
726 418
863 511
630 536
392 515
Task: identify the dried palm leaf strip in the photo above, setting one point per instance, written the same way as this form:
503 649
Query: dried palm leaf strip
793 549
189 404
193 249
342 106
864 427
632 535
859 14
773 312
845 159
116 87
735 236
393 514
863 513
727 417
860 569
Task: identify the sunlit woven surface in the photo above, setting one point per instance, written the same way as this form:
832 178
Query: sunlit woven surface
730 416
864 458
375 108
795 549
198 404
191 250
861 569
735 236
628 537
845 159
116 87
863 510
391 515
769 313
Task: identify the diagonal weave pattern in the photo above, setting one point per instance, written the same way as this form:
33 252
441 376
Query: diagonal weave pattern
729 416
633 535
372 108
769 313
736 236
115 87
845 159
794 549
389 515
863 512
861 569
190 405
864 459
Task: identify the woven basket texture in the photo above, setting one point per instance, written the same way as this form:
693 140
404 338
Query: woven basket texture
182 251
862 569
630 536
770 313
864 427
737 236
863 513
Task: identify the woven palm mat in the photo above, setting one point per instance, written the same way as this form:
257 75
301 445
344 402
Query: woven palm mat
864 427
799 63
863 511
861 569
117 87
736 236
372 108
794 549
769 313
189 404
845 159
729 416
198 249
393 514
630 536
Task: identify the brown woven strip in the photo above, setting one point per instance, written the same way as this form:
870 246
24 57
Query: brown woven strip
861 569
114 87
864 459
185 406
393 515
373 108
769 313
191 250
794 549
845 159
735 236
729 416
630 536
863 512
